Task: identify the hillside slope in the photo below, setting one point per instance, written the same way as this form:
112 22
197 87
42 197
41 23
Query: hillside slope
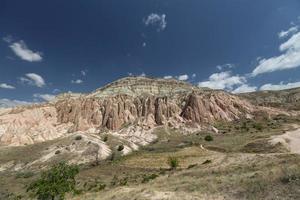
288 99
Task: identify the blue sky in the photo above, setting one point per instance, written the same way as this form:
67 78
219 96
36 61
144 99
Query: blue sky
49 47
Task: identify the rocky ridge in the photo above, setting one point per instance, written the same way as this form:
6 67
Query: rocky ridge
288 99
139 102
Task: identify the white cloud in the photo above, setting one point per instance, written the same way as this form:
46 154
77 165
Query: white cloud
280 86
56 90
194 75
6 86
137 75
284 34
143 74
8 39
183 77
33 79
144 44
83 72
225 66
244 89
46 97
78 81
223 80
168 77
156 20
22 51
290 57
7 103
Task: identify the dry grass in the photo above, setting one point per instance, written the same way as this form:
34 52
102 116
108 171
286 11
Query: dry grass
237 164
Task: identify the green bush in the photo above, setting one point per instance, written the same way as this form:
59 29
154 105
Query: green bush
208 138
78 137
206 162
119 182
57 152
147 177
55 183
192 166
120 147
173 162
105 138
258 126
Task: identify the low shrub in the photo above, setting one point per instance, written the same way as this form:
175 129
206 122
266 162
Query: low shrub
120 147
55 183
57 152
258 126
206 162
105 139
173 162
192 166
148 177
208 138
78 137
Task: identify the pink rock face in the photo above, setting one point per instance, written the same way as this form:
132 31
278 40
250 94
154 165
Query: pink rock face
115 112
142 102
210 107
30 125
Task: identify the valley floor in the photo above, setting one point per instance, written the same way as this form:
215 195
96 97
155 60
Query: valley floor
239 163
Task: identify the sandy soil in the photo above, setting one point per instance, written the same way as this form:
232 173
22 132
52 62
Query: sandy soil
291 140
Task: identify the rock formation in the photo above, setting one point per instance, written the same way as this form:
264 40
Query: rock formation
138 101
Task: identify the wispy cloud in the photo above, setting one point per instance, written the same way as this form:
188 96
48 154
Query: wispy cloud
83 72
223 80
22 51
56 90
280 86
45 97
33 79
168 77
284 34
156 20
142 74
225 66
8 39
77 81
7 103
6 86
244 88
290 57
183 77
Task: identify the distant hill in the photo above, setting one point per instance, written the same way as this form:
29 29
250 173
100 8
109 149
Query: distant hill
288 99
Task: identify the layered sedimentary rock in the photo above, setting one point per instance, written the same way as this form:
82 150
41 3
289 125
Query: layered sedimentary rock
30 125
148 110
133 101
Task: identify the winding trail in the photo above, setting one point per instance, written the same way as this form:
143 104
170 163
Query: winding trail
291 140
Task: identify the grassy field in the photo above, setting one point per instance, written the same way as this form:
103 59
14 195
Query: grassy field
237 163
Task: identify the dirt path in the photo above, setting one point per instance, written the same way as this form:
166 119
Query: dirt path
291 140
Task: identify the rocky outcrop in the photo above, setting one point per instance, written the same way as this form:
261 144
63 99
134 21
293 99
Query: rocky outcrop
210 107
139 102
31 125
115 112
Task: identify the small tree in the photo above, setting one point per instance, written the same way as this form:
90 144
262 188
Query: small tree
173 162
55 183
208 138
120 147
